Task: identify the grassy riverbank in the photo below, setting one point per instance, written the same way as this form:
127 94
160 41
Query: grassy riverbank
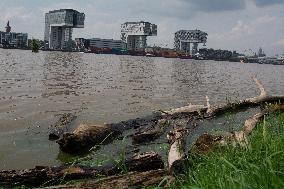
259 166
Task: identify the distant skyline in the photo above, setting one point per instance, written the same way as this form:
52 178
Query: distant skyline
230 24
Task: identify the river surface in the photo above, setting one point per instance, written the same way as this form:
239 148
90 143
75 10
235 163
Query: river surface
35 89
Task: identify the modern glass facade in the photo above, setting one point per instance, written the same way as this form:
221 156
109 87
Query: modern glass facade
14 40
59 26
134 34
106 43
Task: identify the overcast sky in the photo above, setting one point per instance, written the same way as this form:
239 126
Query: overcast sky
231 24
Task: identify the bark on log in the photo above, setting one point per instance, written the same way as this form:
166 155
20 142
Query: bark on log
150 134
61 126
207 142
40 175
130 180
254 101
176 157
209 111
186 109
241 136
84 137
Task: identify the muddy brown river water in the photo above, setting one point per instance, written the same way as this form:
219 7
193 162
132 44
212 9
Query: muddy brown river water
35 89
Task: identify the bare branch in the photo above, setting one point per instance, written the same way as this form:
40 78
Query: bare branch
263 92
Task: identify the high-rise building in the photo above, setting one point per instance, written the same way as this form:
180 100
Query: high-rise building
59 26
134 34
183 39
261 53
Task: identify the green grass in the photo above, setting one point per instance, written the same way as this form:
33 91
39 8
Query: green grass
261 165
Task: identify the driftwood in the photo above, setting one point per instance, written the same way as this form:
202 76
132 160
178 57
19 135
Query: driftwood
84 137
177 155
241 136
130 180
208 111
207 141
40 175
148 135
61 126
254 101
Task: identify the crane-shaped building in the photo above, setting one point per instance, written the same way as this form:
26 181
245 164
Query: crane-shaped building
59 26
134 34
183 39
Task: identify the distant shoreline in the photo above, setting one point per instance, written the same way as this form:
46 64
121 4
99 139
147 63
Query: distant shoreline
233 59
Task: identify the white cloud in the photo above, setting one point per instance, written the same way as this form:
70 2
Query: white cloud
241 29
279 42
231 24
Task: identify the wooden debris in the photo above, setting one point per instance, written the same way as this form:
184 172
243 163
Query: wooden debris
130 180
176 156
42 174
61 126
150 134
84 137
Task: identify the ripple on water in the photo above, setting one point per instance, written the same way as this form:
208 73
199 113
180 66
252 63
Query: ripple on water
36 88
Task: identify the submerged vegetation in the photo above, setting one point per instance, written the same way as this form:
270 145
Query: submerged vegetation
261 165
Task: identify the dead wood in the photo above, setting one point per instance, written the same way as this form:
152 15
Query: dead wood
84 137
241 136
207 111
130 180
254 101
186 109
207 142
149 134
176 156
61 126
42 174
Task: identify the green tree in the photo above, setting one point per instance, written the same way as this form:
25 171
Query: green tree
34 45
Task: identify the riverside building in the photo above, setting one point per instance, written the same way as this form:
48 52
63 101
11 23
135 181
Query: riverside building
184 39
10 39
59 26
100 43
107 43
134 34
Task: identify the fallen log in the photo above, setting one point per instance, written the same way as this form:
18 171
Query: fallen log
208 111
241 136
254 101
61 126
206 142
150 134
130 180
84 137
177 155
53 175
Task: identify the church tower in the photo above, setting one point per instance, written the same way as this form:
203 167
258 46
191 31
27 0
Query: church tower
8 27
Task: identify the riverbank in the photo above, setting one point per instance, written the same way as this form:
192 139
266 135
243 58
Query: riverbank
258 166
178 124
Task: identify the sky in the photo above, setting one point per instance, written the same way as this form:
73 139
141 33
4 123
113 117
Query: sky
231 24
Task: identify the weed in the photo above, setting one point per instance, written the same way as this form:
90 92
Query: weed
260 166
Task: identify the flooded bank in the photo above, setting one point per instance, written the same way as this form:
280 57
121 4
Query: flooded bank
35 89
